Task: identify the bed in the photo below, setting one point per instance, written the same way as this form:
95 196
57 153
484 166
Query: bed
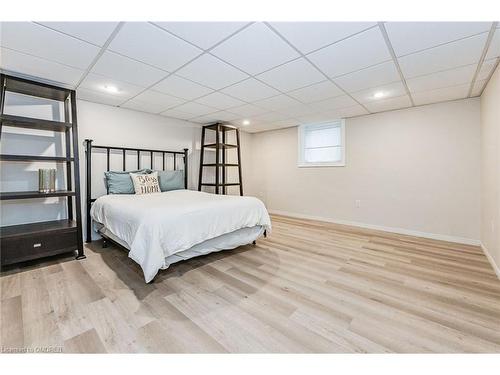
160 229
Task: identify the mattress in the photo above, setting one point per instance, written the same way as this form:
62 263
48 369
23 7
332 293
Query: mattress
159 225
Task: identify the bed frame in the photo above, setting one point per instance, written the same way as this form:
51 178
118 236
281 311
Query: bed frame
89 147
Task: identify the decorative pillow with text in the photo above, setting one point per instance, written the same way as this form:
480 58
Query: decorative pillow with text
145 183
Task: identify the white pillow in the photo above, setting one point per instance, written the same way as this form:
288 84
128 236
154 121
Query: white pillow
145 183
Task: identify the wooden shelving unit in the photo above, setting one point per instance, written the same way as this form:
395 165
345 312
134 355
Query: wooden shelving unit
221 165
32 158
16 231
36 240
33 123
221 147
7 195
222 184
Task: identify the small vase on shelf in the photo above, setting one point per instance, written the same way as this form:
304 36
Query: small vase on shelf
46 180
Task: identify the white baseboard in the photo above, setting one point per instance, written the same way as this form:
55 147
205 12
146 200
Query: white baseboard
496 268
409 232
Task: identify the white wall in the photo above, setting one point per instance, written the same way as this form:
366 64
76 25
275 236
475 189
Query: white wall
24 176
107 125
490 170
104 124
413 170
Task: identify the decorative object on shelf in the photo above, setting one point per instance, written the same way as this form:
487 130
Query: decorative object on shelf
30 241
46 180
220 146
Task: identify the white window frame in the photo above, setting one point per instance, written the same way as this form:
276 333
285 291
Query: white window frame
301 163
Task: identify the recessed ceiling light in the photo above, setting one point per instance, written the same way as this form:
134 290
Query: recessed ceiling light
111 89
378 95
246 122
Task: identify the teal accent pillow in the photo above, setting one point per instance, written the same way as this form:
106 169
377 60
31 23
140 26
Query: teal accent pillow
121 182
171 180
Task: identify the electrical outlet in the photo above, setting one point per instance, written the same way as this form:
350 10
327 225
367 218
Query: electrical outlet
357 202
492 227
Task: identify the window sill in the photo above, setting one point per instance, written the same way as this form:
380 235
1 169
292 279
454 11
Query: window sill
316 165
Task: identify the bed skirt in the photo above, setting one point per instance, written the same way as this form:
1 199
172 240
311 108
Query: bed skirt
228 241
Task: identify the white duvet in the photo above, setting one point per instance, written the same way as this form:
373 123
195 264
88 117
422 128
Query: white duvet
158 225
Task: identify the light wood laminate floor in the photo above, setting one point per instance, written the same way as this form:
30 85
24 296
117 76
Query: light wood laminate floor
309 287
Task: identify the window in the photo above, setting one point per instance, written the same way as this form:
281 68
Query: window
322 145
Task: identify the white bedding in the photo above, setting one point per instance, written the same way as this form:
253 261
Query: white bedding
156 226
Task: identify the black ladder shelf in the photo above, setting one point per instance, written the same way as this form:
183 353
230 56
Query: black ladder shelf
221 147
40 239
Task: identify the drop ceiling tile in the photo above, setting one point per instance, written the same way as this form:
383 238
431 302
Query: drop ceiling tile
142 41
250 90
142 106
447 78
265 126
41 69
219 101
346 112
92 32
334 114
271 117
338 102
486 68
159 98
317 117
220 116
98 97
477 90
309 36
281 124
39 41
153 102
292 75
441 95
389 104
463 52
409 37
298 110
316 92
202 34
248 110
250 123
127 70
211 72
204 120
494 48
278 102
195 109
255 49
373 76
181 87
388 91
224 116
174 113
97 83
257 128
351 54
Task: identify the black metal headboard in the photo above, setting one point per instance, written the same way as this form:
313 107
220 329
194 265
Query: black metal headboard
88 164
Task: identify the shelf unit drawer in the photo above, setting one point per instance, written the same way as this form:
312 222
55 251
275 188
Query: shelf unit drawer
36 245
